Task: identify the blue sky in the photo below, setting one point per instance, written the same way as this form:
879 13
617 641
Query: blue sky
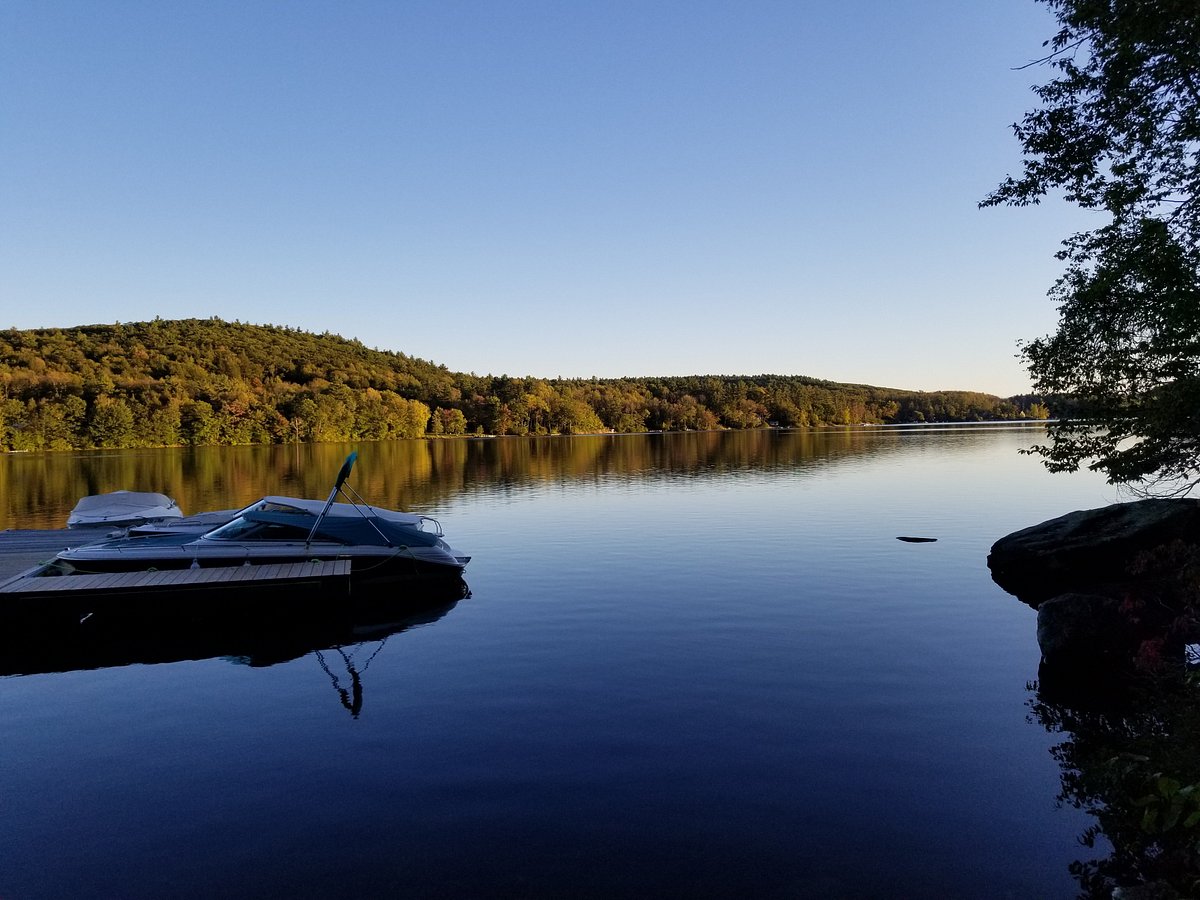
538 188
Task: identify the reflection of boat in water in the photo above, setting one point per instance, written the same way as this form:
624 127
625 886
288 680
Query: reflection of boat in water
255 636
276 543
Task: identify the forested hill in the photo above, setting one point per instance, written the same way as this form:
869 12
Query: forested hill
205 381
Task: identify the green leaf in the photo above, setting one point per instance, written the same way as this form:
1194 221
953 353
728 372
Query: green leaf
1167 786
1148 819
1171 819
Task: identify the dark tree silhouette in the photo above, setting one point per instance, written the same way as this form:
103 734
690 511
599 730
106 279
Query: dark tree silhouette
1117 132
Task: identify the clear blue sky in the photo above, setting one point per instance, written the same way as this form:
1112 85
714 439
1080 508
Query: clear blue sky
538 188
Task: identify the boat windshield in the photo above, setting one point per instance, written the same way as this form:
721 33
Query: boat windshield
245 529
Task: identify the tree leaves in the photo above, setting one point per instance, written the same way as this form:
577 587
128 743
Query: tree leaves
204 381
1118 131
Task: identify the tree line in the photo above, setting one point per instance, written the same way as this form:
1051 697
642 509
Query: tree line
207 381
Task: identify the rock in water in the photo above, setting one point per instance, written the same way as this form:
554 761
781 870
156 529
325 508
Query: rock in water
1089 550
1084 630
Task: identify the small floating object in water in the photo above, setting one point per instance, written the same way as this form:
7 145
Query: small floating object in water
916 540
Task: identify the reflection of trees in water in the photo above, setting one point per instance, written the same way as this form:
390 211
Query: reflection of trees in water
38 490
1130 758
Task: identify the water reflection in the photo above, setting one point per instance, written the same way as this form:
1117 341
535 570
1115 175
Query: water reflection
1128 758
352 636
723 676
351 698
37 490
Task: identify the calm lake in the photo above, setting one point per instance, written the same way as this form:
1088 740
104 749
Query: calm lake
692 665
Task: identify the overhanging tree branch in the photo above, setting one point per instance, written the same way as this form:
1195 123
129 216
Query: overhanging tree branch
1118 131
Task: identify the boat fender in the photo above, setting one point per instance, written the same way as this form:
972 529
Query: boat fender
195 564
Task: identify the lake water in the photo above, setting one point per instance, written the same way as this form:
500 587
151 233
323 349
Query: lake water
695 665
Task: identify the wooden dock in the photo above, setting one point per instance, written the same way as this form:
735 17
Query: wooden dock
23 552
182 579
22 549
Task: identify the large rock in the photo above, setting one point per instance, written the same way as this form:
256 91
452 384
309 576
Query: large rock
1085 630
1090 551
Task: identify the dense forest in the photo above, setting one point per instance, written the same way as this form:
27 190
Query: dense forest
206 381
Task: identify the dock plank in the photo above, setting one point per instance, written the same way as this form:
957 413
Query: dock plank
164 578
21 549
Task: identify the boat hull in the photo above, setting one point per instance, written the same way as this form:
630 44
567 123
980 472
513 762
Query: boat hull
258 631
369 565
365 569
185 597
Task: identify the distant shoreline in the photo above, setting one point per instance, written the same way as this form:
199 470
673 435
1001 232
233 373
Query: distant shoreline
205 382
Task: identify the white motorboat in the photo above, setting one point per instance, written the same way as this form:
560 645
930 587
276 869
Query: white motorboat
123 508
381 544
